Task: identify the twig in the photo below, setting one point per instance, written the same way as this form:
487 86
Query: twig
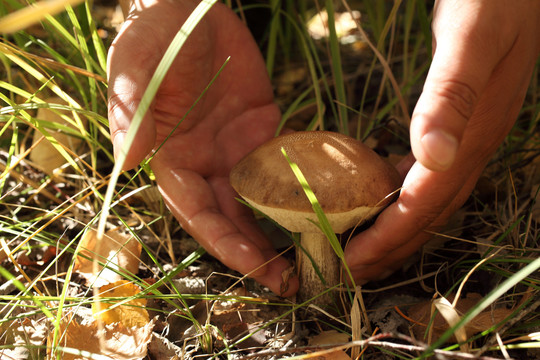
509 324
413 346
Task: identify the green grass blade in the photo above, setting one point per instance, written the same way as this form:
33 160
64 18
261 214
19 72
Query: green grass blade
101 51
425 24
82 46
35 299
323 224
295 105
337 70
485 302
273 35
161 70
190 109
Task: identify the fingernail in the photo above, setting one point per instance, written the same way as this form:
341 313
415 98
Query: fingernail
117 143
441 147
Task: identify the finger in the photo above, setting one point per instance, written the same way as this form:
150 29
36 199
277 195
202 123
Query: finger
391 263
127 81
462 65
424 202
278 268
191 200
428 198
405 164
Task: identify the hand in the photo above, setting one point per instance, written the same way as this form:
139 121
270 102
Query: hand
484 55
236 115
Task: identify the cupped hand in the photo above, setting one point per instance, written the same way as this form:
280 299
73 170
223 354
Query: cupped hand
234 116
484 55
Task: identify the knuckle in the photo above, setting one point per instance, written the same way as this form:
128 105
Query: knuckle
117 111
419 212
459 95
114 102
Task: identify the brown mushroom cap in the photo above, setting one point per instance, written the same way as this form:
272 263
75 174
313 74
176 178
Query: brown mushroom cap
351 182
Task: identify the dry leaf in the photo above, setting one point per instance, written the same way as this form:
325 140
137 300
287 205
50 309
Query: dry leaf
19 336
236 319
130 313
120 254
119 342
44 154
160 347
38 257
226 306
328 338
331 337
420 315
329 355
3 255
345 24
356 321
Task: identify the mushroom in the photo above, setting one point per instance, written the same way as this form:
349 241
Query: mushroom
351 183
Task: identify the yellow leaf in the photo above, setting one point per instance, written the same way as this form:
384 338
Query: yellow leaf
130 313
327 338
118 252
116 341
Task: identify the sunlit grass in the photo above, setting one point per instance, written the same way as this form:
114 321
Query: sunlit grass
366 92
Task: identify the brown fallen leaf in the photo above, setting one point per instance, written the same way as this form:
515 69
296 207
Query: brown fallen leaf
119 252
356 321
131 313
44 255
420 315
22 338
116 341
235 319
328 338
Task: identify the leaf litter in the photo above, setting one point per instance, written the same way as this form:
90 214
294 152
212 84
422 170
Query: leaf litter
196 314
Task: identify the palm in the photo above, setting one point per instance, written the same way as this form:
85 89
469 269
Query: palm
235 115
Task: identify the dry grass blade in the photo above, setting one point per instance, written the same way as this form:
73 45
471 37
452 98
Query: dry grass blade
452 317
384 63
32 14
26 180
61 51
358 315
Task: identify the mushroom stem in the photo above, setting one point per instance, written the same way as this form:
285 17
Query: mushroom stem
317 245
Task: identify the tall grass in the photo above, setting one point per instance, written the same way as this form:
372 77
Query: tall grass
366 89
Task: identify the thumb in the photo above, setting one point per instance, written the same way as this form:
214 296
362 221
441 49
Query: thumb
126 87
461 68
